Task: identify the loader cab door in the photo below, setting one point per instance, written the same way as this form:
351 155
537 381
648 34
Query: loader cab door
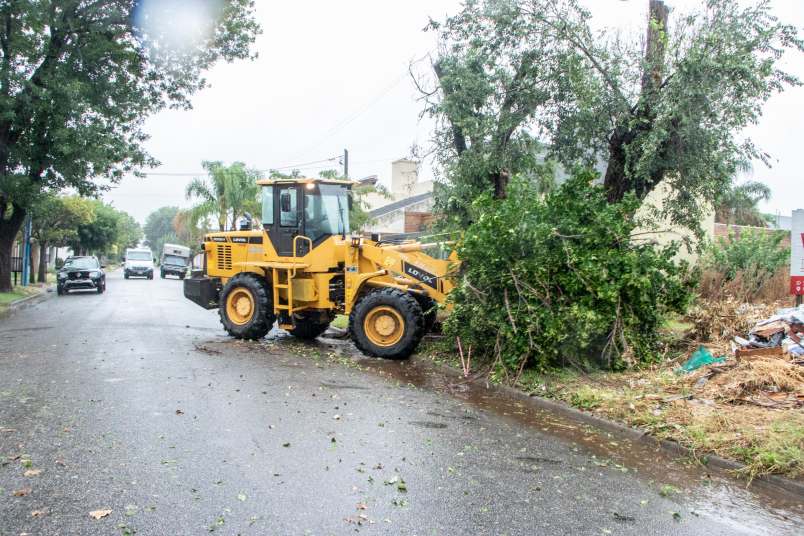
314 210
282 218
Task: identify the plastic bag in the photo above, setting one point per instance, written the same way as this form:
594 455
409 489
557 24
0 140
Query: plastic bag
698 359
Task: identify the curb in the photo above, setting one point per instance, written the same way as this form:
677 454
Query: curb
27 301
635 434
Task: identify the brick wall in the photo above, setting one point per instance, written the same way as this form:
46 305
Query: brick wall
724 230
417 221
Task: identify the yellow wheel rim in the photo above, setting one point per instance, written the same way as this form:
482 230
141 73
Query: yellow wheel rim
240 306
384 326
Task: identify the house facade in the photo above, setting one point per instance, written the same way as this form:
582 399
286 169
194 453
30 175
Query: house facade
408 207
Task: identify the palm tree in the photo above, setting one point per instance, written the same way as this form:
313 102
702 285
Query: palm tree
226 194
738 204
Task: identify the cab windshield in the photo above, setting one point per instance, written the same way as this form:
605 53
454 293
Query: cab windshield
175 260
326 210
81 263
138 256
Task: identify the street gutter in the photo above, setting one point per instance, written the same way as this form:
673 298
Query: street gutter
23 303
671 448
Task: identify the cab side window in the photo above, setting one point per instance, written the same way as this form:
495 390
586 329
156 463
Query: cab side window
267 205
288 207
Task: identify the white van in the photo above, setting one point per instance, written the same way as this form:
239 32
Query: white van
139 262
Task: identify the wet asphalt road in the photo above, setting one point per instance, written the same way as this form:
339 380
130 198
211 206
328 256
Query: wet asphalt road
134 402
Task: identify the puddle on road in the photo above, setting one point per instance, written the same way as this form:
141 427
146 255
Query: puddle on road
762 507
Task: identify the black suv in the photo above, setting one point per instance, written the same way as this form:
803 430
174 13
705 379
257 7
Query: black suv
80 273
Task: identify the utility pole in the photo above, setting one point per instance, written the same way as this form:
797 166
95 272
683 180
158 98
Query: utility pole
346 164
26 251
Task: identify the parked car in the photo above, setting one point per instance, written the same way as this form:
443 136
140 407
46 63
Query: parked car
139 262
80 273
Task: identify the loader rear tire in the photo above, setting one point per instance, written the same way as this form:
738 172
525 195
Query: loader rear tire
245 307
308 325
387 323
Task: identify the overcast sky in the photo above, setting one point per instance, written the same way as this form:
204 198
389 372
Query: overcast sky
334 75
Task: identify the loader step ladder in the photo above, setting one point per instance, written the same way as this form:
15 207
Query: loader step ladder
283 274
286 282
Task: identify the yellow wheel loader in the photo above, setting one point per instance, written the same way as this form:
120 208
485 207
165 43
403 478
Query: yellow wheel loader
303 267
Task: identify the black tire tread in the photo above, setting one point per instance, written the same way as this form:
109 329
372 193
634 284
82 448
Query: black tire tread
306 327
263 319
429 310
406 305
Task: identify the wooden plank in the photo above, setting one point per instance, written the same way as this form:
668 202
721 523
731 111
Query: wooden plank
759 352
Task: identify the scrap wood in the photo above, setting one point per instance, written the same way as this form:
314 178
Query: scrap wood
769 330
742 353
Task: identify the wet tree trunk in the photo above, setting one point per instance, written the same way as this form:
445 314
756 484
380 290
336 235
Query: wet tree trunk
42 276
618 181
9 227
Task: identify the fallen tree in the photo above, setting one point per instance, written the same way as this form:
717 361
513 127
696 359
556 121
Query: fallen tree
558 279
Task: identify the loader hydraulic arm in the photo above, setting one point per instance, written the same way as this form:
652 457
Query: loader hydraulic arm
412 267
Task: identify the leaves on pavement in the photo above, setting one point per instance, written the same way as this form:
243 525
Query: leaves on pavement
99 514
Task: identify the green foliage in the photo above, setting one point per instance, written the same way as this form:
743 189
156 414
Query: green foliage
738 204
521 82
756 252
228 193
556 279
129 232
108 229
159 228
55 219
187 231
79 78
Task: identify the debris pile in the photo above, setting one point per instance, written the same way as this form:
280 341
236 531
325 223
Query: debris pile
766 367
781 334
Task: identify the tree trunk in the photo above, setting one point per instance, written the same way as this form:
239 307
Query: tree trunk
618 181
500 181
42 262
8 232
33 258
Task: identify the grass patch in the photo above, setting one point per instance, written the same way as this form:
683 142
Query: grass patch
713 419
341 322
668 406
16 294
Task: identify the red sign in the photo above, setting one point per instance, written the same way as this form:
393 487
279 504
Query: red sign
797 285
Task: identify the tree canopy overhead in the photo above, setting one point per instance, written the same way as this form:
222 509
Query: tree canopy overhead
78 78
518 82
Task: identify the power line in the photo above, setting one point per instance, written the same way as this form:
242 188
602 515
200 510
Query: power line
302 165
355 115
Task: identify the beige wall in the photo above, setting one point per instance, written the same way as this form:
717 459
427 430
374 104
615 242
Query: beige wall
663 232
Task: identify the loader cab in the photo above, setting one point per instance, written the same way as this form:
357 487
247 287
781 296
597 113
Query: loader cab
313 208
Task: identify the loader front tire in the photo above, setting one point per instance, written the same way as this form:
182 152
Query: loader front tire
245 307
387 323
429 309
308 325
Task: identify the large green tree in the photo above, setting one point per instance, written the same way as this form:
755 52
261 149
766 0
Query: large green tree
521 82
79 77
226 194
129 232
55 222
159 228
100 233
